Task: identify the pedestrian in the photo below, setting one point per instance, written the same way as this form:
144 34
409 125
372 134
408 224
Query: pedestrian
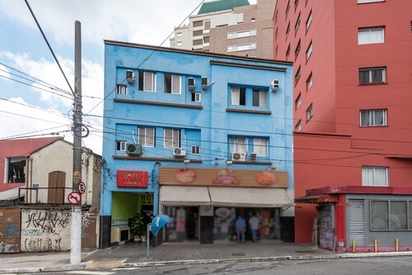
254 224
240 225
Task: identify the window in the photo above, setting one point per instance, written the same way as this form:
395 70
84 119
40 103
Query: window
287 52
121 89
309 112
179 34
198 33
16 167
298 101
260 146
369 1
287 30
198 23
179 43
297 50
371 36
309 51
196 97
172 138
297 24
240 34
238 96
238 145
259 98
121 145
298 126
172 83
374 176
309 21
195 149
373 118
309 82
197 42
147 136
287 9
372 75
241 47
147 81
297 75
390 215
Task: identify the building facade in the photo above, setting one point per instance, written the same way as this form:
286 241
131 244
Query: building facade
200 137
229 27
351 109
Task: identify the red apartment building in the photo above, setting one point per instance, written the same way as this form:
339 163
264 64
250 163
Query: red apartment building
353 130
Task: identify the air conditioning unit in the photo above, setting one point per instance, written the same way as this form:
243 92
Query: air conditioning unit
179 152
253 157
191 83
238 156
130 76
205 82
134 149
274 85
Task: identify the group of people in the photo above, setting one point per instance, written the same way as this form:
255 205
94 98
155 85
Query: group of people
240 225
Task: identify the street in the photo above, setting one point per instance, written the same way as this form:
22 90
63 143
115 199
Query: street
365 266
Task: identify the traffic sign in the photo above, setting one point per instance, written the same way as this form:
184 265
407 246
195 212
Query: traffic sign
74 198
81 187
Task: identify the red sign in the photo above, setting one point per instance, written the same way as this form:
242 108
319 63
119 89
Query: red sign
131 178
74 198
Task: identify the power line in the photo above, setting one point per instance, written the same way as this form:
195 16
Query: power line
50 48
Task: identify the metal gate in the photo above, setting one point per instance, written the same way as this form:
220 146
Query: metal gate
356 222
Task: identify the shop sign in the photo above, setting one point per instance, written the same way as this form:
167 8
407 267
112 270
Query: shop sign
131 178
146 199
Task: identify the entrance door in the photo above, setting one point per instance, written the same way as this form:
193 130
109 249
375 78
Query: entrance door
57 182
356 222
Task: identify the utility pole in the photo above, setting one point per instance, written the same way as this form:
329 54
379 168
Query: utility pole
76 226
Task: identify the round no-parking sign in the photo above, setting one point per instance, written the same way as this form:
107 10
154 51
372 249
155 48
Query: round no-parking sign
74 198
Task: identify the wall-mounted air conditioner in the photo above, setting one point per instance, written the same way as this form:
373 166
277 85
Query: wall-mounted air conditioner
130 76
205 82
253 157
238 156
274 85
179 152
191 83
133 149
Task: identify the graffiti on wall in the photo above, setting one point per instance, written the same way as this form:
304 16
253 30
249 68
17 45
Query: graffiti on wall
9 231
45 230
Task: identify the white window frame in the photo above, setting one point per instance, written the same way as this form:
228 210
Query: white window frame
121 145
298 126
369 1
175 85
375 176
261 100
309 51
309 112
309 21
147 136
195 149
371 35
298 101
148 83
237 97
372 75
171 138
121 89
240 34
309 82
260 146
369 118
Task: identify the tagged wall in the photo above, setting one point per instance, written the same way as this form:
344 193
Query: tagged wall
45 230
9 230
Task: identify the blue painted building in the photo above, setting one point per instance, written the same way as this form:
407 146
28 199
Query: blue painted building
198 136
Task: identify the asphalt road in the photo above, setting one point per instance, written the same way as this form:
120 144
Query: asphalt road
366 266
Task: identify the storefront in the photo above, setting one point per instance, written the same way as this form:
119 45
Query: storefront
204 203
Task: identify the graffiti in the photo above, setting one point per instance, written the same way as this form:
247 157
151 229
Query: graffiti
8 220
42 244
32 232
1 214
48 221
86 219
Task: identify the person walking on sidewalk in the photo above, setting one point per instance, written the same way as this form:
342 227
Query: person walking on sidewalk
254 224
240 225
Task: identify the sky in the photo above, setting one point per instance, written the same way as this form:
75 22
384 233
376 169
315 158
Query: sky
35 95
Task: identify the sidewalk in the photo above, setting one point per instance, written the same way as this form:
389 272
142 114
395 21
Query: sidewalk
132 255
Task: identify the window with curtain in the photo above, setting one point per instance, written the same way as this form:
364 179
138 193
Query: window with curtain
147 81
259 98
260 146
370 118
172 83
375 176
372 75
238 96
371 36
238 145
172 138
147 136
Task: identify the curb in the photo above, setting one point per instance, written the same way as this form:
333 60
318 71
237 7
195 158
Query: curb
266 259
